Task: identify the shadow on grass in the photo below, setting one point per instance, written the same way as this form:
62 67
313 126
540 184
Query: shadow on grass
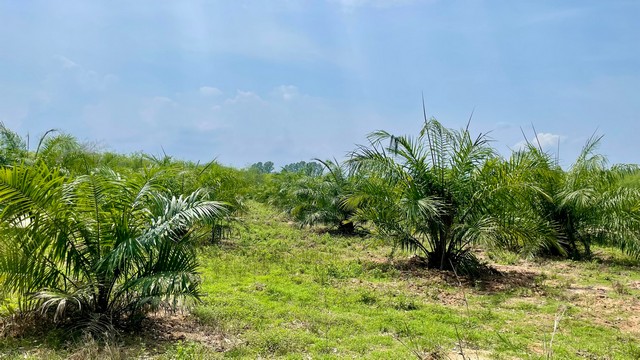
489 280
357 232
156 334
609 260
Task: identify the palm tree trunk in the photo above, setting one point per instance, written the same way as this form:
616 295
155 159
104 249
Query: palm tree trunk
105 287
347 227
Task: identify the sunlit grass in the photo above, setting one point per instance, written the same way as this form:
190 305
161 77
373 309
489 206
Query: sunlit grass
288 291
277 291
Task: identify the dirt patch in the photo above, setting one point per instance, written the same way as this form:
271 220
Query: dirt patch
612 303
600 304
597 306
22 325
632 323
170 328
510 279
593 291
497 278
471 354
634 285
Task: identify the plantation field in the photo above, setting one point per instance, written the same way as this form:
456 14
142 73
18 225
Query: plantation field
274 290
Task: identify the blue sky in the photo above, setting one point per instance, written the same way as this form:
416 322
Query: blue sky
284 80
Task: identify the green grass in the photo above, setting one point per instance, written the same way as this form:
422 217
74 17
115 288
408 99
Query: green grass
277 291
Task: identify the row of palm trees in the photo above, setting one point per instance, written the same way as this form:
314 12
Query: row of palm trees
97 239
442 191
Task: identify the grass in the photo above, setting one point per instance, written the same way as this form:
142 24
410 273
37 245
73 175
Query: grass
277 291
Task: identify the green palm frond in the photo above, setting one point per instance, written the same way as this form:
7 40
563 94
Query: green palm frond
100 243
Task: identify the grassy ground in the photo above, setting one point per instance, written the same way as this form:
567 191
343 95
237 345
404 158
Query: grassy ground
277 291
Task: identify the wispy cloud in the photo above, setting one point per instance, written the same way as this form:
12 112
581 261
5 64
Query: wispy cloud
74 74
210 91
287 92
65 62
245 97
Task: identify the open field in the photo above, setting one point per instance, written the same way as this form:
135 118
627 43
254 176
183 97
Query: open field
337 179
274 290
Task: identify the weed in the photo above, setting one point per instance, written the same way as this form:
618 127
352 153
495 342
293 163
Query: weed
403 303
368 298
185 351
620 288
504 257
548 347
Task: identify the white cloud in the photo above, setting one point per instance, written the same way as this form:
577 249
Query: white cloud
244 96
287 92
210 91
546 141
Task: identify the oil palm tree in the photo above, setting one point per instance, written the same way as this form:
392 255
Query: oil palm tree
589 202
65 152
323 199
99 249
436 193
12 146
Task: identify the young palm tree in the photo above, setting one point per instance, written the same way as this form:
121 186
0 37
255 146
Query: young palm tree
588 203
65 152
12 146
436 193
55 149
323 199
100 249
519 180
